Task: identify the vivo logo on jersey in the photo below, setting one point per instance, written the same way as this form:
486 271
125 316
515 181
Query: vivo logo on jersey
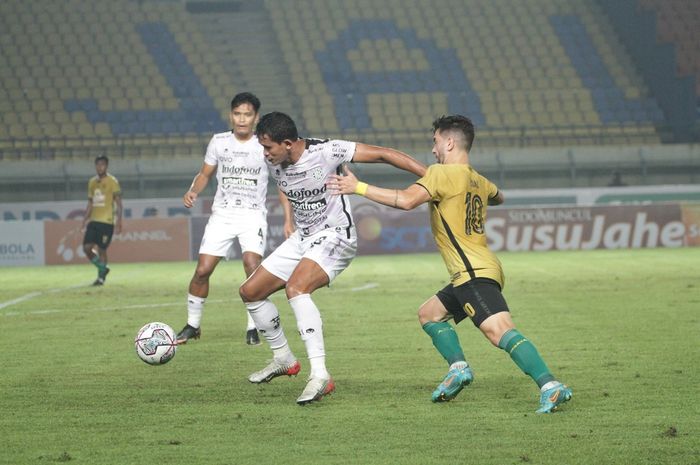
240 170
301 193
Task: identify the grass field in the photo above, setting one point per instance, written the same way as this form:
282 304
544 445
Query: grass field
620 327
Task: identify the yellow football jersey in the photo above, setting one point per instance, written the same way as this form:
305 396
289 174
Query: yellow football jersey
459 197
102 192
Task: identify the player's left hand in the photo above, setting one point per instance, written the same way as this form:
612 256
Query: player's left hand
345 184
118 227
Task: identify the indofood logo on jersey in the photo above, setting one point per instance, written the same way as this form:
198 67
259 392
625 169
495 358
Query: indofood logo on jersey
297 197
240 170
298 194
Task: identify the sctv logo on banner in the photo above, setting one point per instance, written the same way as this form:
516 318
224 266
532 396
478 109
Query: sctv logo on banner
21 243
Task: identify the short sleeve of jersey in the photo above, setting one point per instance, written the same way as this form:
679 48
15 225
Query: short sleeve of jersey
433 179
491 188
117 187
91 187
210 157
342 151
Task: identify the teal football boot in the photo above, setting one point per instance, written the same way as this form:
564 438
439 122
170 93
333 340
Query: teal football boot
551 398
453 383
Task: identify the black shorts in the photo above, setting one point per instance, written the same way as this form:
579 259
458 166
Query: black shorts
98 233
477 299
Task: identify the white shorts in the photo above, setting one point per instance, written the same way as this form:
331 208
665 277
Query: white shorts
332 250
221 231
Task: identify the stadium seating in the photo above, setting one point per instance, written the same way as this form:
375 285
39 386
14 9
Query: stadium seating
678 22
142 78
81 77
538 72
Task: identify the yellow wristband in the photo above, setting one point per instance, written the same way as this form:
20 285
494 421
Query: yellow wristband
361 188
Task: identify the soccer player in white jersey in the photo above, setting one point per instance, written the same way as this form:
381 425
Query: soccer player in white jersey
238 211
322 246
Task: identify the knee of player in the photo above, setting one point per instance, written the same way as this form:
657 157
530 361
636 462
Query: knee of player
295 288
202 272
245 291
425 315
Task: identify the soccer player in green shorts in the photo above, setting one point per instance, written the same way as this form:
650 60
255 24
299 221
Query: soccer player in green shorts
458 198
102 219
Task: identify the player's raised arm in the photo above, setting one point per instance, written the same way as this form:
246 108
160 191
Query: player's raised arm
406 199
199 183
365 153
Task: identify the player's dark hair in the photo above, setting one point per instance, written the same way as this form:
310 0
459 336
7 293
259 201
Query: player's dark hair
102 158
277 126
456 123
246 97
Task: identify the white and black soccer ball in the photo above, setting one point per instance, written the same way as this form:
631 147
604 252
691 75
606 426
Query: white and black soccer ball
155 343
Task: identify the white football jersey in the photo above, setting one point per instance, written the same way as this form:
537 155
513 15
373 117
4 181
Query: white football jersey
304 184
241 175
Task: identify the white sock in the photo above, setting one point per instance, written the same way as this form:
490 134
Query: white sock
195 306
267 320
549 385
311 331
251 323
459 365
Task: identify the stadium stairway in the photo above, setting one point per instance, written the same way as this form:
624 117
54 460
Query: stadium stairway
249 54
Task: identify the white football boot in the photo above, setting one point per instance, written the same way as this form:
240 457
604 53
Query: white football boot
273 370
315 389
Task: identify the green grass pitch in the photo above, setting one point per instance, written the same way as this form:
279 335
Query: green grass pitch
620 327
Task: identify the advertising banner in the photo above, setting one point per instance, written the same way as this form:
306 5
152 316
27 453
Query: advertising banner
144 240
383 230
75 209
21 243
691 220
582 228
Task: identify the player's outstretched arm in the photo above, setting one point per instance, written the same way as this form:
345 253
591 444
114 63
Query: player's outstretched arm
365 153
199 183
406 199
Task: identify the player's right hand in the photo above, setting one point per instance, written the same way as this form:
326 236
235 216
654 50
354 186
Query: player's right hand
189 198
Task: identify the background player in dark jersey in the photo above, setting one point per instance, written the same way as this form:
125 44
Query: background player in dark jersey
458 197
102 219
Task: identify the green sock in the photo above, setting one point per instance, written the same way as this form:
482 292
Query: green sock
445 341
525 355
96 261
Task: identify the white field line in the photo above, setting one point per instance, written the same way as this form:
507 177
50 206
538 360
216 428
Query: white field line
123 307
365 287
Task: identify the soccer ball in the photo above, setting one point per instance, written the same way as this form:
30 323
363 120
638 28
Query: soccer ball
155 343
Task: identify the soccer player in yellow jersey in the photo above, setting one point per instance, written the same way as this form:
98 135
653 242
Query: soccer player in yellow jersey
101 217
458 198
